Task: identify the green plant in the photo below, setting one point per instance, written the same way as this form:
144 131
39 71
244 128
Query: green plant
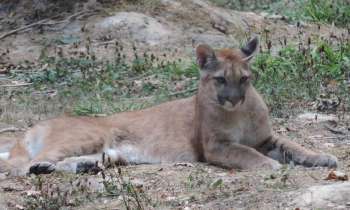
53 192
297 74
328 11
48 195
325 11
95 87
115 184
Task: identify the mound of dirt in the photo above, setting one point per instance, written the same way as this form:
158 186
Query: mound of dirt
173 27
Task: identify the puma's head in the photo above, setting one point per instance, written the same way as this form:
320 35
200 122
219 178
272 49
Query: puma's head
225 74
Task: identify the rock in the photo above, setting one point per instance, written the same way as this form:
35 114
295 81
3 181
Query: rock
139 27
324 196
216 40
226 21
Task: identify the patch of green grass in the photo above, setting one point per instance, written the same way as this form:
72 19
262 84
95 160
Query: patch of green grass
324 11
116 184
102 87
297 74
328 11
91 87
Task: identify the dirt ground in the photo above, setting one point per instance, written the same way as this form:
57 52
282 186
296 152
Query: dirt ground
168 186
201 186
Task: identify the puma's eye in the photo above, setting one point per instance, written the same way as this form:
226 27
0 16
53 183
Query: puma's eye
220 80
243 79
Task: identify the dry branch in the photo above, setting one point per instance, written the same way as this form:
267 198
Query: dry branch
16 85
23 28
45 22
10 129
334 130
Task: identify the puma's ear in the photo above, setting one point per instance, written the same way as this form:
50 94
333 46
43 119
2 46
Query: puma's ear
206 58
250 48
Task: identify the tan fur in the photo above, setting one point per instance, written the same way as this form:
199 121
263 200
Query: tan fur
192 129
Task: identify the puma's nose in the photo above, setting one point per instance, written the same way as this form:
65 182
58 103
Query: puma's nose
236 99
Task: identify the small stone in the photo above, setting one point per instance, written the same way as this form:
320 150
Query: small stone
184 164
19 207
331 145
31 193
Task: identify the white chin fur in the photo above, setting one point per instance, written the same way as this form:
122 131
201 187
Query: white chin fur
229 107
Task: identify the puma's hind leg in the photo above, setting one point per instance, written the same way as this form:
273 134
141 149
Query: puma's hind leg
286 151
16 160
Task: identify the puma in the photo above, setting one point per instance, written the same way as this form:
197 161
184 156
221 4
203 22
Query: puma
225 124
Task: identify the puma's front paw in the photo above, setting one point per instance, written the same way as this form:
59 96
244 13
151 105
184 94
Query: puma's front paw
270 164
88 167
322 160
42 168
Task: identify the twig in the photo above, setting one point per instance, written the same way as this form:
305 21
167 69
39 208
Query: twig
23 28
67 19
11 129
17 85
312 176
334 130
104 43
323 137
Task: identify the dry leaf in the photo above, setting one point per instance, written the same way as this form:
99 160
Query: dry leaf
337 175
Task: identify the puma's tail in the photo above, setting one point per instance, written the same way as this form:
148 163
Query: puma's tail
13 161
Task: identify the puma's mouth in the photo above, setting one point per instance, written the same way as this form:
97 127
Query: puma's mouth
229 106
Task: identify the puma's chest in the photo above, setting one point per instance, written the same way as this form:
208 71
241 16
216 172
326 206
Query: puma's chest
242 131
